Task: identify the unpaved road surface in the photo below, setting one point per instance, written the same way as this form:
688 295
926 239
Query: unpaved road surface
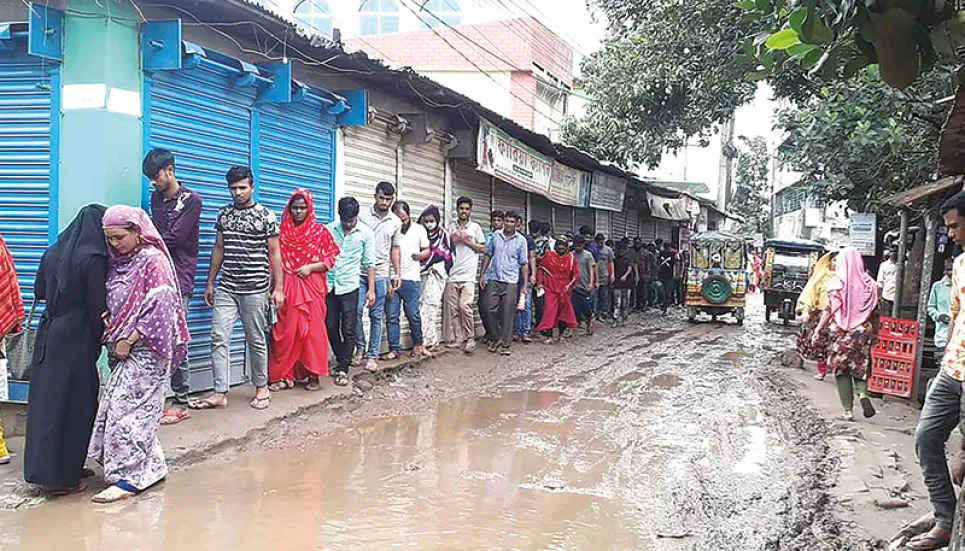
657 436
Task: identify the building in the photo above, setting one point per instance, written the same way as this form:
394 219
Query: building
91 85
800 214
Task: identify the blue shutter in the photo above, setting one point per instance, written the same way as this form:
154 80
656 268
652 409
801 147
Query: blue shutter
29 122
205 120
296 149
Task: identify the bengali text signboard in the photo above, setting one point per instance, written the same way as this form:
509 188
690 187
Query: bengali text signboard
566 184
499 155
863 232
607 192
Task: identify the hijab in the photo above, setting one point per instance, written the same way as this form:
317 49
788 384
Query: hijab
815 293
305 243
852 292
80 241
142 290
439 244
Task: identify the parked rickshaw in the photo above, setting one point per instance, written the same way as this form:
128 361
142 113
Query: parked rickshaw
717 279
788 264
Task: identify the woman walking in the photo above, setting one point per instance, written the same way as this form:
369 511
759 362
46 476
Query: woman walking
435 273
851 321
147 336
557 275
11 317
63 376
299 339
811 304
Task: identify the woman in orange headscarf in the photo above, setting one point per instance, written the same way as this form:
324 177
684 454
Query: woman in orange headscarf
299 338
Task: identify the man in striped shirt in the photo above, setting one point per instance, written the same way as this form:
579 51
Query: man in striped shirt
249 258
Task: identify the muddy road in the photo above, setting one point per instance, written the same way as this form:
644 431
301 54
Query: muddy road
658 436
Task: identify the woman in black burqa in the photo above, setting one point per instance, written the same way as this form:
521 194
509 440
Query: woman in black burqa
63 380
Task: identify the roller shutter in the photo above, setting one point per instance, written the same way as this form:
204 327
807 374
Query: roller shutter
296 149
469 182
369 159
603 223
584 217
562 219
646 231
508 198
201 116
619 225
29 120
423 176
542 208
663 230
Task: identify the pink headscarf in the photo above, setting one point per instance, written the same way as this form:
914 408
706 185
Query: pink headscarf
142 290
852 292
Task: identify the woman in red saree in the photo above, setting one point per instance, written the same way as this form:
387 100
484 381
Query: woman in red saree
299 338
558 273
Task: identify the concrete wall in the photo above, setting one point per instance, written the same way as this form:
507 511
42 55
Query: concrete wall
100 146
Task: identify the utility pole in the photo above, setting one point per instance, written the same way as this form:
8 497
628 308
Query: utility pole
727 154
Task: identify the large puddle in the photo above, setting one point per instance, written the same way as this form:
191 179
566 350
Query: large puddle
522 471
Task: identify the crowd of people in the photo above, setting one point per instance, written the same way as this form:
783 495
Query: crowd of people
123 279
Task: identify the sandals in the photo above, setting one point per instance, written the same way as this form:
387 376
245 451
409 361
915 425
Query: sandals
391 357
281 385
341 379
927 542
314 385
867 408
208 403
53 492
260 404
119 491
174 416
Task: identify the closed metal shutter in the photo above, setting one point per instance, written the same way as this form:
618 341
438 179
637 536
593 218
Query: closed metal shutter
603 223
584 217
619 225
647 232
423 176
663 230
508 198
469 182
205 120
29 114
542 208
562 219
369 159
633 223
296 149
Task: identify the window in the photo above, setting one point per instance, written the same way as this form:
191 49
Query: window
378 17
316 15
445 12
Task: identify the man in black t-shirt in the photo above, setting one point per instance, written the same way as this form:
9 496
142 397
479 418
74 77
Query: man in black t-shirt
665 271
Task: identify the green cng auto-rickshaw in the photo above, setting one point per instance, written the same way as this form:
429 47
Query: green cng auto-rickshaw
717 279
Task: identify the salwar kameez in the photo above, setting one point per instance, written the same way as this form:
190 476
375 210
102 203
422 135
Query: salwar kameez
125 440
430 307
556 276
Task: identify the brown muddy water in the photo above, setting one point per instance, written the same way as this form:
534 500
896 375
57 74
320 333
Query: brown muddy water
621 452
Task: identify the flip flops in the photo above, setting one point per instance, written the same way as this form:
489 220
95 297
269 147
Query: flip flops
111 495
174 416
260 404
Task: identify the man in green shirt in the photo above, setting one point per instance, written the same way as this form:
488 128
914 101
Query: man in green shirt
356 243
939 309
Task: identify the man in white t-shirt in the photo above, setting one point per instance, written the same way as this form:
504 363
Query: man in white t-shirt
413 248
469 243
887 282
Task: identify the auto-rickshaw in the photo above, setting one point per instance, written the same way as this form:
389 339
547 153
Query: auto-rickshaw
788 264
717 279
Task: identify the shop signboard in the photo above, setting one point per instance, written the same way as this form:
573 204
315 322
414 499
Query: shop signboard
863 231
500 155
607 192
569 186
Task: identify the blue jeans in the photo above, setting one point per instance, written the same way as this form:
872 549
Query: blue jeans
523 324
375 317
407 297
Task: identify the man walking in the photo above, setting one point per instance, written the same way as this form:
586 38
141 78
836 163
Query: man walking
522 324
939 309
605 259
469 242
940 413
357 245
388 264
583 293
176 212
888 282
666 273
507 259
495 224
247 248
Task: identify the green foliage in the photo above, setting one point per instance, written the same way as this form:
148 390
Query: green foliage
860 140
752 196
669 72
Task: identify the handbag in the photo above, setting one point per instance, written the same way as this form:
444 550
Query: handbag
20 348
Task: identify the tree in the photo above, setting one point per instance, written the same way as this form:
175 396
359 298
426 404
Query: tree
752 197
860 140
669 72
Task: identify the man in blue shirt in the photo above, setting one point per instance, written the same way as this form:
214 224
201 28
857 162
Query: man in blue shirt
940 310
507 259
495 224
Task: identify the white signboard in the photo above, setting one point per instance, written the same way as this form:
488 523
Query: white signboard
863 232
607 192
565 185
499 155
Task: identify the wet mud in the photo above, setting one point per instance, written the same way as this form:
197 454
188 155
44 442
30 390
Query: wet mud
667 436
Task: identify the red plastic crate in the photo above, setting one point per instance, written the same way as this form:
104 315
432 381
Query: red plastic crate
893 358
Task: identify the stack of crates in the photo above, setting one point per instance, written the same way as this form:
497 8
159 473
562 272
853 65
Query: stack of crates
893 358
